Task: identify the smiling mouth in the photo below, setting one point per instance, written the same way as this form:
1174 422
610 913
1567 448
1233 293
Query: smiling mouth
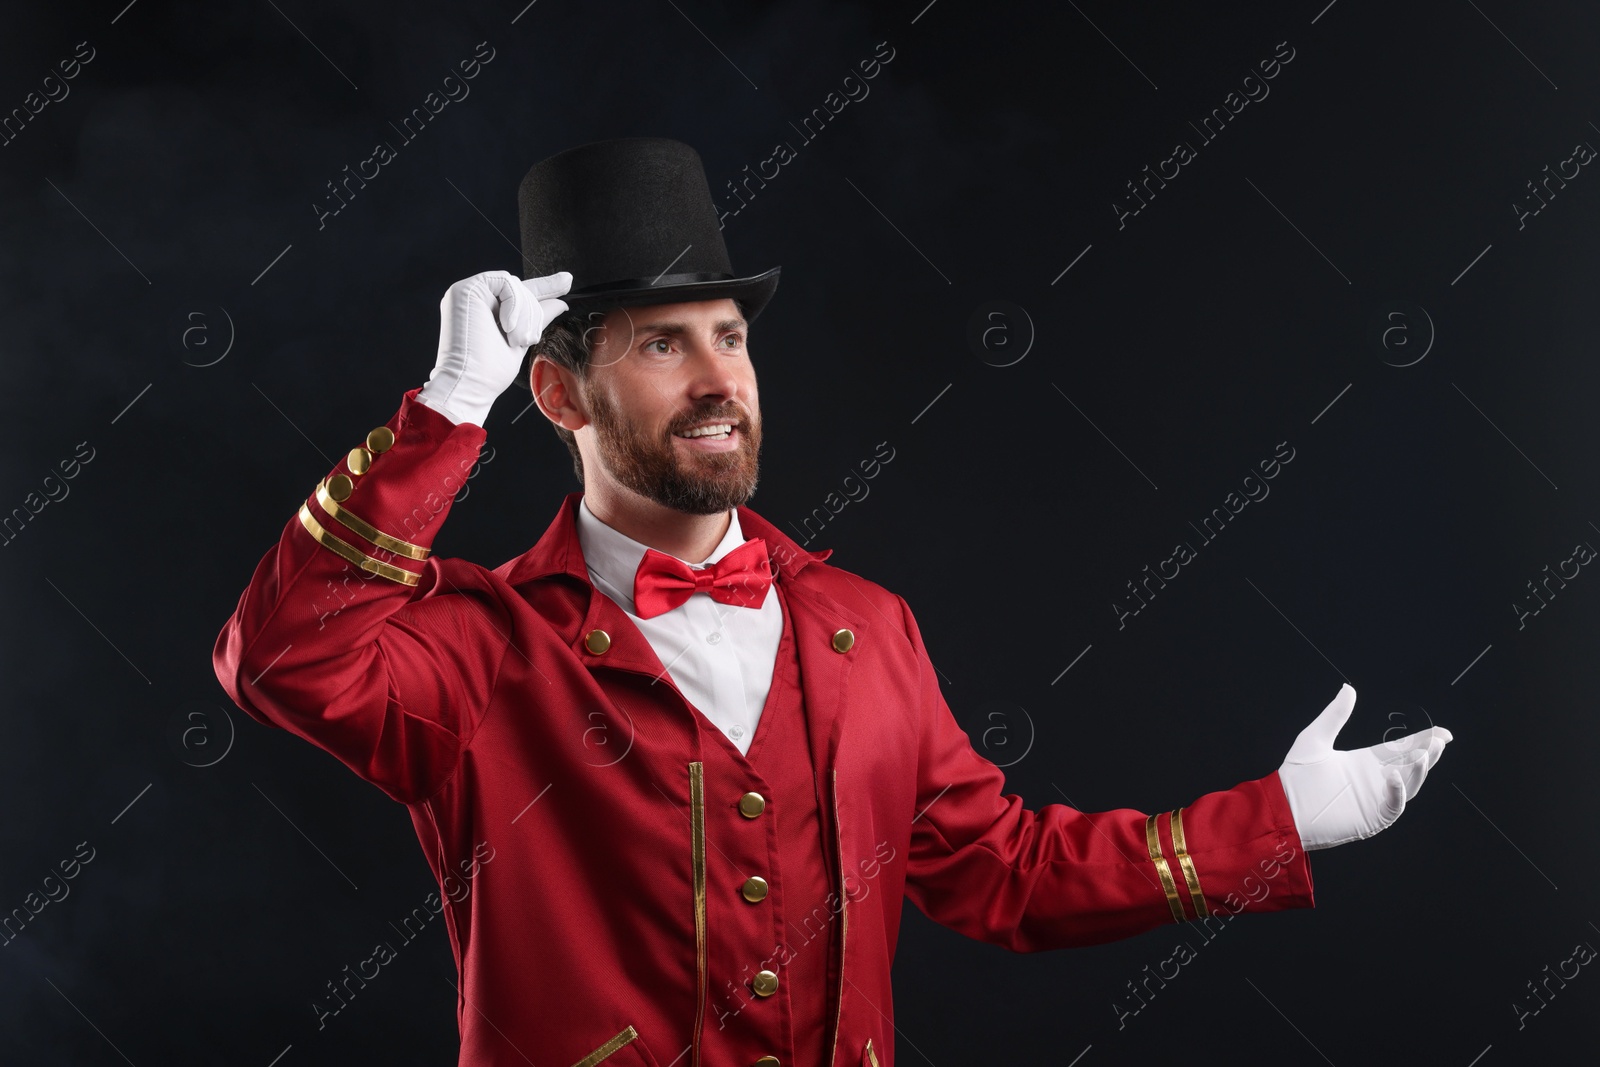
716 431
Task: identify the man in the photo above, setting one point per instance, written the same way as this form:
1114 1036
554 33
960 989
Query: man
705 766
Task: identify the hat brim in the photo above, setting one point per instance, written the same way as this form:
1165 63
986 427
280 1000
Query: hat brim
754 291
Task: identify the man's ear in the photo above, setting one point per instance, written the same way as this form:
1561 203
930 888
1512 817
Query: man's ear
558 393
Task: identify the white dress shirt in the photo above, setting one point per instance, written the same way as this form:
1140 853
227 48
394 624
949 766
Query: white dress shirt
720 656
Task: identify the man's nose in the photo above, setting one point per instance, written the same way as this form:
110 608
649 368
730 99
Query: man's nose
715 373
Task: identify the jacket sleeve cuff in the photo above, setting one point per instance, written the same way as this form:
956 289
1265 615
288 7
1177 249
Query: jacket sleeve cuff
382 505
1232 852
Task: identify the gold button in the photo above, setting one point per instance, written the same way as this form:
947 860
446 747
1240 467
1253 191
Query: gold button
842 640
359 459
767 1061
340 486
765 983
755 888
597 641
381 439
752 804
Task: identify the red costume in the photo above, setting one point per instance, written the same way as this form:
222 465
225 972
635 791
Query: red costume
653 891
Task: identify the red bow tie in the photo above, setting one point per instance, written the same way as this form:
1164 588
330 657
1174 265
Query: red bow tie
662 582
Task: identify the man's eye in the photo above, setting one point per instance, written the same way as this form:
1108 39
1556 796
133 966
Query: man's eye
735 338
662 341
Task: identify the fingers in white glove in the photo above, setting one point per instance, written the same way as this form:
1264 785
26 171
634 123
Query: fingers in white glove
1340 796
486 324
508 297
1421 750
545 291
1431 737
1315 742
1402 780
526 334
1414 769
527 306
549 285
1394 797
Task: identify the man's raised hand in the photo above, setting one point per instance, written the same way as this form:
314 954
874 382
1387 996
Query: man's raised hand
1337 796
486 324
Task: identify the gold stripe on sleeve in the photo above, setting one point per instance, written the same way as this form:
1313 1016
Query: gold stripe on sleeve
1152 841
361 526
1196 897
353 554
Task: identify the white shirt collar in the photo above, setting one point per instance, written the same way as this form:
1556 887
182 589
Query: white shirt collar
612 557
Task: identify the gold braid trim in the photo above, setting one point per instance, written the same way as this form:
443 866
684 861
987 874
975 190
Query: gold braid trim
1152 841
1196 897
361 526
353 554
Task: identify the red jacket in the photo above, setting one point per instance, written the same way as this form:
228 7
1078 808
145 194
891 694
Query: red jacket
521 716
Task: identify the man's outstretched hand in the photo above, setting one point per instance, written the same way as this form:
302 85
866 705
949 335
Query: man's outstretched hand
1338 796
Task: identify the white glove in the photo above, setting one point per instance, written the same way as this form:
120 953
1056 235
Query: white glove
479 357
1341 796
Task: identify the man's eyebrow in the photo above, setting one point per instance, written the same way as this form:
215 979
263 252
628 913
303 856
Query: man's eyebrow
678 328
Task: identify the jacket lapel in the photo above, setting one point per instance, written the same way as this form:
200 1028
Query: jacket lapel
824 672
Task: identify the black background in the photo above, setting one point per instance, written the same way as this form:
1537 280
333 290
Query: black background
1243 307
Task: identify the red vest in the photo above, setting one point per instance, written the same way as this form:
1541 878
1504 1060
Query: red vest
783 845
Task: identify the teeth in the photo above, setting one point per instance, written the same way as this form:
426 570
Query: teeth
718 430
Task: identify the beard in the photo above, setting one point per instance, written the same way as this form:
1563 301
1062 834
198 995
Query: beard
700 483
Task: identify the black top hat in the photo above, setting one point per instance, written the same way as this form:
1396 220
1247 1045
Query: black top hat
632 218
